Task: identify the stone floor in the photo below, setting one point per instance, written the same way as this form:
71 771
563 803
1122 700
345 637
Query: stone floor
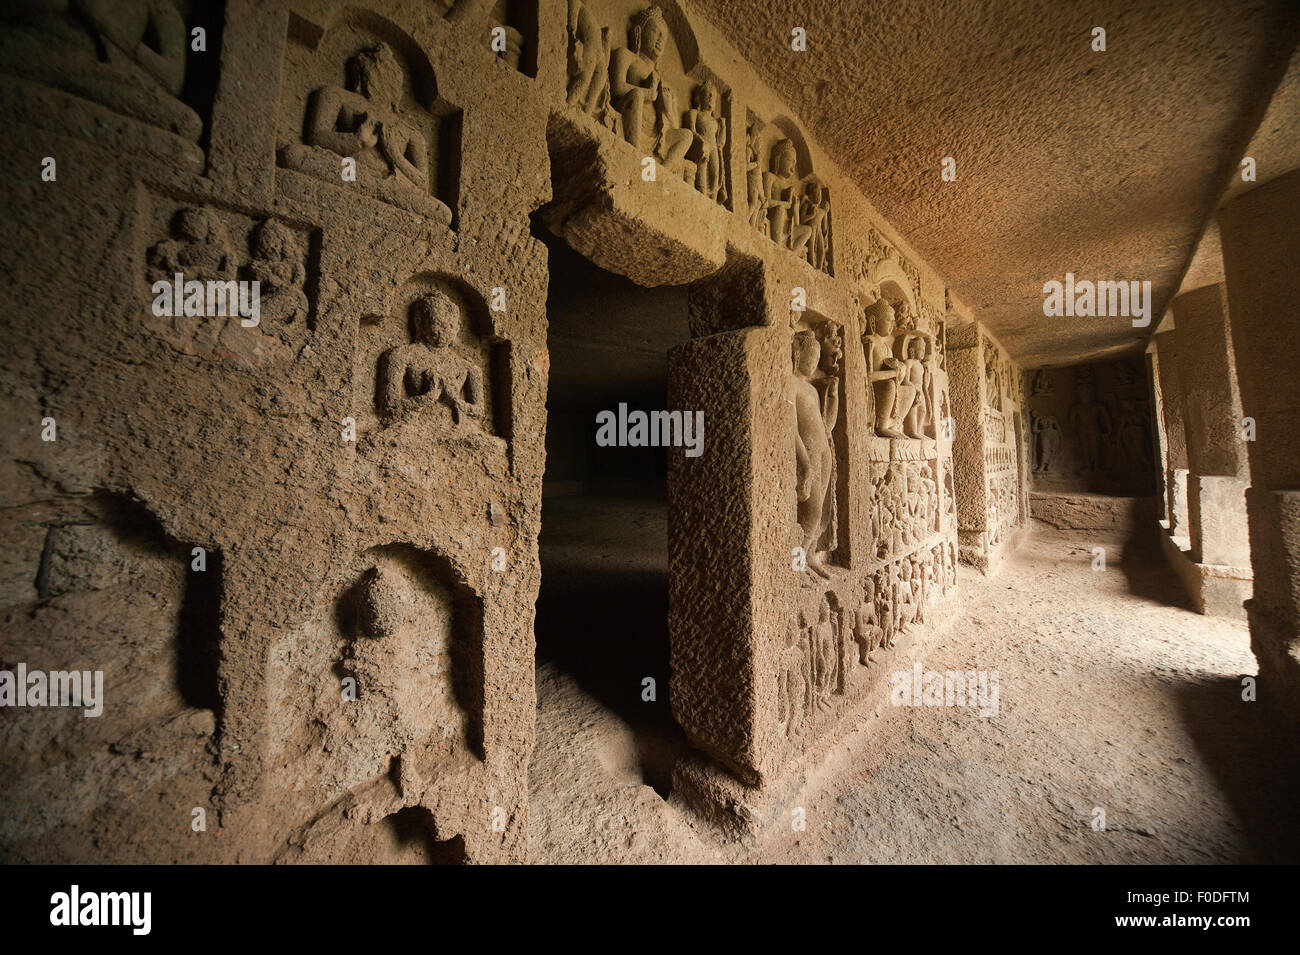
1112 695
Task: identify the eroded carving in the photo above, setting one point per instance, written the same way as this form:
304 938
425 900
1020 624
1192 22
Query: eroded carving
377 130
127 55
431 369
199 247
1047 441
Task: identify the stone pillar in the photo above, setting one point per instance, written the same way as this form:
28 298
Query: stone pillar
966 376
1175 434
1216 455
1261 247
1159 439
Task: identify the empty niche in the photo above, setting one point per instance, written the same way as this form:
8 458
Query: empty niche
433 357
412 639
821 440
517 44
360 97
136 59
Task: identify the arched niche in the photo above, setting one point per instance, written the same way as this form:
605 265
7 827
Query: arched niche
434 352
354 63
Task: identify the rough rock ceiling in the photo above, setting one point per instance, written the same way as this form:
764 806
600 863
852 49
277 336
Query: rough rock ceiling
1101 164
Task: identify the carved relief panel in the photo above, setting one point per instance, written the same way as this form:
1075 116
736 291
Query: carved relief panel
431 358
359 109
786 200
225 286
631 80
816 389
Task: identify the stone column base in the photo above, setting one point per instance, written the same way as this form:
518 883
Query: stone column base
1216 590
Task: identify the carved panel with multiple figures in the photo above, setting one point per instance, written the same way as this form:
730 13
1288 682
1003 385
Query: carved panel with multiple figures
1090 427
225 286
641 91
811 671
786 200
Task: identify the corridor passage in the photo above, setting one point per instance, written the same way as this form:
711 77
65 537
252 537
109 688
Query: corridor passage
1112 695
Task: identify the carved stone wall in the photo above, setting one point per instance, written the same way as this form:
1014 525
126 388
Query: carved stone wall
349 674
991 445
342 675
1091 428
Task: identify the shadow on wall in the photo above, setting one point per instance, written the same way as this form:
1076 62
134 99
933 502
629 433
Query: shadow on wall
413 831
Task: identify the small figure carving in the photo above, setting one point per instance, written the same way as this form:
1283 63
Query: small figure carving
589 64
1134 438
814 212
1092 424
886 606
783 190
794 677
710 138
200 249
894 395
1047 441
815 420
277 265
906 594
755 197
1042 384
825 647
868 634
916 376
429 370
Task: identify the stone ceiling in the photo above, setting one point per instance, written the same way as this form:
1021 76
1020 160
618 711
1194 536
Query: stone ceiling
1106 165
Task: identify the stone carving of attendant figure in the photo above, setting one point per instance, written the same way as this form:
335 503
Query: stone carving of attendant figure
277 266
429 370
886 606
868 634
710 132
588 61
1134 439
826 655
1092 424
814 212
784 191
906 594
200 249
814 450
916 376
366 122
1047 441
755 197
650 118
795 680
894 394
